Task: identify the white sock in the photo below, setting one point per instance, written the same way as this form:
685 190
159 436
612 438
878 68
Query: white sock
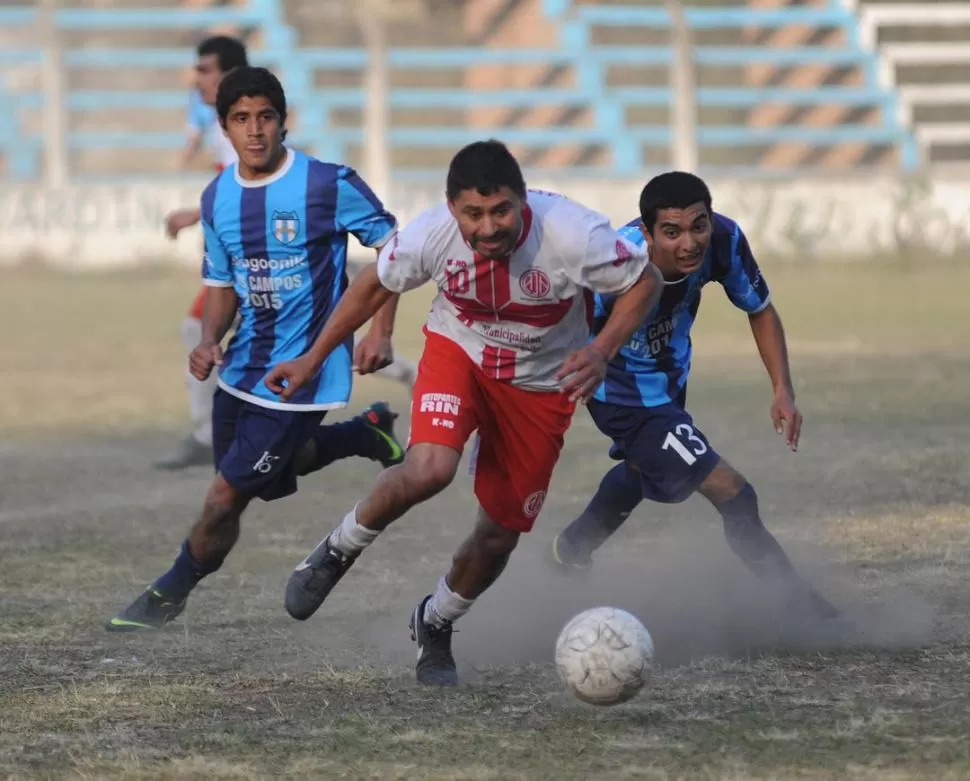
350 538
445 606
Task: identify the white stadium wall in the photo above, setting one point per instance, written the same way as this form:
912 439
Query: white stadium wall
101 226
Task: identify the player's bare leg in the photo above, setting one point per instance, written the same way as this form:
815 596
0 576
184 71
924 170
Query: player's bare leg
427 470
196 448
479 561
735 499
212 537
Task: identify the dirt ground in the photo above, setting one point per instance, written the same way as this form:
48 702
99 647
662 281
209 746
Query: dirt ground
874 508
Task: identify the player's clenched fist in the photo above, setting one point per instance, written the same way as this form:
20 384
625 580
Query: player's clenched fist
583 371
288 377
203 358
372 354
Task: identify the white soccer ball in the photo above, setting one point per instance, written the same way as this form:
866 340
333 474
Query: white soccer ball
604 656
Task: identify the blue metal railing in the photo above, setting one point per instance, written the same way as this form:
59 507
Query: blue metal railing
590 63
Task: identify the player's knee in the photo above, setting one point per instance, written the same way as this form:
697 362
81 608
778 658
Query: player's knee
429 469
723 484
223 503
494 540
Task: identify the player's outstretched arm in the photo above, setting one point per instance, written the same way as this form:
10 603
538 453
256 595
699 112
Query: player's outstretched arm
363 298
584 370
180 219
769 335
376 351
630 309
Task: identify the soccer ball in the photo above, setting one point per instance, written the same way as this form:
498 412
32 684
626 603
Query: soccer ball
604 656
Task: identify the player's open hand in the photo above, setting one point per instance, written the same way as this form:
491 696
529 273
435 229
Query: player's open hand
203 358
787 419
287 378
179 220
583 372
372 354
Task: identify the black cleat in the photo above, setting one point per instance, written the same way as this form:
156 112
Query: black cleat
823 609
808 602
565 559
152 610
436 666
314 578
380 418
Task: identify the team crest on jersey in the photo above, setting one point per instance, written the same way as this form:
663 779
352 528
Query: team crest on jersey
533 504
535 283
286 226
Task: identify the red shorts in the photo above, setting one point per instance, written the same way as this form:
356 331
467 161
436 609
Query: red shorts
197 305
520 431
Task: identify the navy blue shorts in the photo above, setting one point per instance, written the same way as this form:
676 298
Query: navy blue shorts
661 443
254 447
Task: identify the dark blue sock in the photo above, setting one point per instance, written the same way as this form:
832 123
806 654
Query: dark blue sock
618 494
750 540
338 441
185 574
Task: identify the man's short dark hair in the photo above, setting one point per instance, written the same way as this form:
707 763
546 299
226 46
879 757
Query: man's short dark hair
671 190
486 167
229 52
248 82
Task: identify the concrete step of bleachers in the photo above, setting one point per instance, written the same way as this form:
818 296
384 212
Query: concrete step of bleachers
502 24
925 49
115 160
334 23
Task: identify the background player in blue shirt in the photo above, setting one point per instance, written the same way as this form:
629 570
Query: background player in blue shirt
276 228
641 404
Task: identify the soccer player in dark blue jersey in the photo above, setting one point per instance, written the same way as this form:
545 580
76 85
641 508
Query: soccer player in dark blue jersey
276 227
641 404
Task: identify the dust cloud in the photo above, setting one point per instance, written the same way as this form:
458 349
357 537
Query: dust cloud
694 597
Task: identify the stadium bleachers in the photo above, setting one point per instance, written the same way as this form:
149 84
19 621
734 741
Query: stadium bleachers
575 84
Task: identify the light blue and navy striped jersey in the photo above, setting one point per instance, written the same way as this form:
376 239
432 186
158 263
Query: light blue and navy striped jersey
282 243
652 367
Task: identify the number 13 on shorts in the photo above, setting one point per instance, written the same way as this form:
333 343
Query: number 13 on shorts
683 440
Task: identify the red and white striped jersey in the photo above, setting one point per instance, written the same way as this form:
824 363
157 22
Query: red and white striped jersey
518 317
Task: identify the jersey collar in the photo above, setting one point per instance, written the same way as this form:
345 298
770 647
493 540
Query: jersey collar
526 226
283 169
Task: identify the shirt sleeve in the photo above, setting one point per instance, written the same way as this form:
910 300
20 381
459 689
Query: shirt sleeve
216 268
743 281
603 260
360 212
200 115
403 263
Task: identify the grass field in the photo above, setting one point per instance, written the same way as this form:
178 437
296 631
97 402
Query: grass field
874 508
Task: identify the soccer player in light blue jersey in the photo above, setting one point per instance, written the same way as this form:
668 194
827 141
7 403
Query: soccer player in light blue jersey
663 456
215 57
276 227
